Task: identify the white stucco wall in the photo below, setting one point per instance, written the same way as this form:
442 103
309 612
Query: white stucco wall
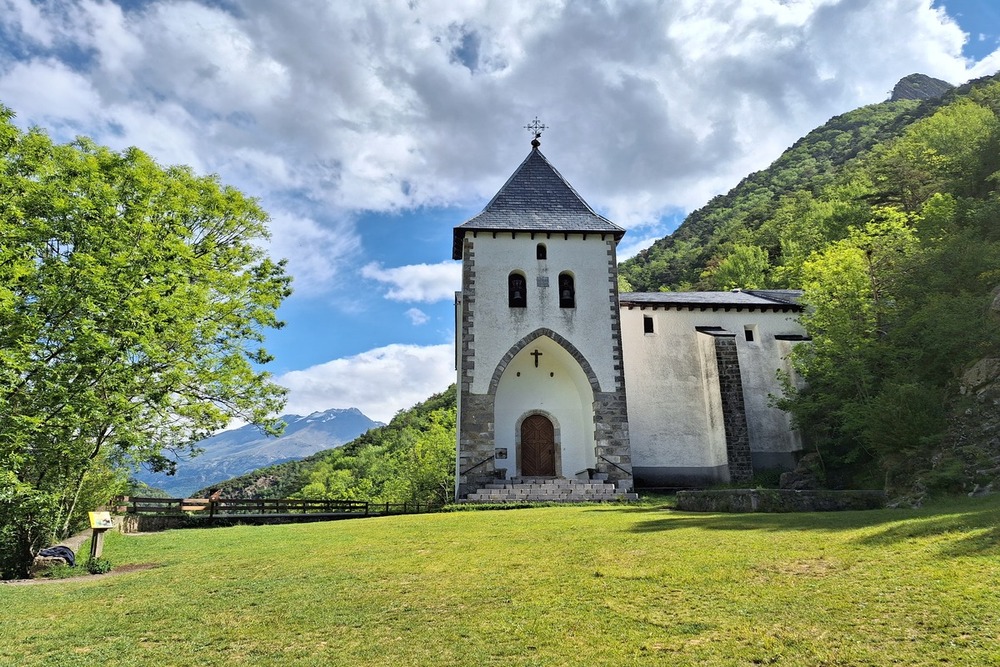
587 326
673 404
556 388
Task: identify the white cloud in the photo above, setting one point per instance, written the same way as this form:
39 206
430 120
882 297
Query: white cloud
426 283
314 252
49 93
25 17
379 382
351 108
417 316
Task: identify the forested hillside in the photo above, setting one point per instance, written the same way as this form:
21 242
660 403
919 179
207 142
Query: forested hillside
718 233
889 218
411 459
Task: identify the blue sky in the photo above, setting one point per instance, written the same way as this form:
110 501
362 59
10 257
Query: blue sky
369 130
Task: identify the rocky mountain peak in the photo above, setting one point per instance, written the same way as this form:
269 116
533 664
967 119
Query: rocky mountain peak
919 87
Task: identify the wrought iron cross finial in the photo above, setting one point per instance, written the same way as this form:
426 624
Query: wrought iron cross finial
536 128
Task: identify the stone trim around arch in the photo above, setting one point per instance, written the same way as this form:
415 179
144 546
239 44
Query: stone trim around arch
556 435
562 342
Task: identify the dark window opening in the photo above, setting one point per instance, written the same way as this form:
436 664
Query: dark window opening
749 333
567 291
517 296
647 324
540 251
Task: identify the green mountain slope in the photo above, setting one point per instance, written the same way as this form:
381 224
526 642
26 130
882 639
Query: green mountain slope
410 459
676 262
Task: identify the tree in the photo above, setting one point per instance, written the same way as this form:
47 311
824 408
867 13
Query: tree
133 305
853 289
746 267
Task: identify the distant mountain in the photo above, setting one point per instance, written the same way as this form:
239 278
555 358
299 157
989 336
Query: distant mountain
377 466
237 452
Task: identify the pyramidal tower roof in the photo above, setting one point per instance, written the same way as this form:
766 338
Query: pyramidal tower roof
536 198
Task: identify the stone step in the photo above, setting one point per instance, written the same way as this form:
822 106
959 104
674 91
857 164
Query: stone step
551 489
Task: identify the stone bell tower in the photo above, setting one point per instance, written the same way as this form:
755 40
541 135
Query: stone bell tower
540 375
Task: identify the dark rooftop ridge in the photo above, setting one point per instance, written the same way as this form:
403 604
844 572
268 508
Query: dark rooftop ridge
784 300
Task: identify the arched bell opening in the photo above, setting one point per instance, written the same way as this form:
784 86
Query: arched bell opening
517 290
567 290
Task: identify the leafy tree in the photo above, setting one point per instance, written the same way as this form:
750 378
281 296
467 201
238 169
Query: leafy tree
412 460
852 289
942 153
746 267
133 305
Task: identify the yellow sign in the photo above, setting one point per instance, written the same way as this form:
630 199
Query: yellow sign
101 520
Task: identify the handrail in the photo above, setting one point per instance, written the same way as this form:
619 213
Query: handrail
615 465
486 460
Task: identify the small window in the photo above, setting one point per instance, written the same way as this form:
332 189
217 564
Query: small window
540 251
517 296
647 324
567 291
750 333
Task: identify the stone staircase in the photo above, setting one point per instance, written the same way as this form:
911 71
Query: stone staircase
550 489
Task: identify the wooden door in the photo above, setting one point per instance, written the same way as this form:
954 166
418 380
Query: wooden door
538 447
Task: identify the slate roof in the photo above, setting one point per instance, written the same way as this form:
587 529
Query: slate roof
761 299
536 198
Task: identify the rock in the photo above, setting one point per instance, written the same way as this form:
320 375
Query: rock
804 476
919 87
981 491
981 375
43 564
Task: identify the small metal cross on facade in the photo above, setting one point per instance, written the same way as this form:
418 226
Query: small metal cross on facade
536 354
536 128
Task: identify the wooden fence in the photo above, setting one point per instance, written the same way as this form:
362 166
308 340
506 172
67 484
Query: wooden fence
285 507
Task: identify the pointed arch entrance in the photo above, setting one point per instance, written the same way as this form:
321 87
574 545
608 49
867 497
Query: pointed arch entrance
543 412
537 453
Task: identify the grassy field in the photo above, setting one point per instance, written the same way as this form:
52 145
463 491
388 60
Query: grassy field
599 585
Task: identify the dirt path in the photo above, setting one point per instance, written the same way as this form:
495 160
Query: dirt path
74 542
120 570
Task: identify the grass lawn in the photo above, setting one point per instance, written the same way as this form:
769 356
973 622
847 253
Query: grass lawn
598 585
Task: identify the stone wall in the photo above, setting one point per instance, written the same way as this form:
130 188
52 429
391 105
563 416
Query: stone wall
476 444
734 414
611 436
778 500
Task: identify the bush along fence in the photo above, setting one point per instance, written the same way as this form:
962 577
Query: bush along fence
140 514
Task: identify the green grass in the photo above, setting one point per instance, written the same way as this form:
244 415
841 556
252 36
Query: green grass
602 585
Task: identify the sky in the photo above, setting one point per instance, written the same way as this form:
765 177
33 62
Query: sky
369 130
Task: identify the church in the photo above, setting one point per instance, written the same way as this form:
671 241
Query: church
568 389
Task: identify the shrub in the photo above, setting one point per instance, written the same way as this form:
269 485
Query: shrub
98 566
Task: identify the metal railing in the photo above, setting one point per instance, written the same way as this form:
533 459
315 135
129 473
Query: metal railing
615 465
486 460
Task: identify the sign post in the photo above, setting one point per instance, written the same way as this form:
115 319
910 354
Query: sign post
100 522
